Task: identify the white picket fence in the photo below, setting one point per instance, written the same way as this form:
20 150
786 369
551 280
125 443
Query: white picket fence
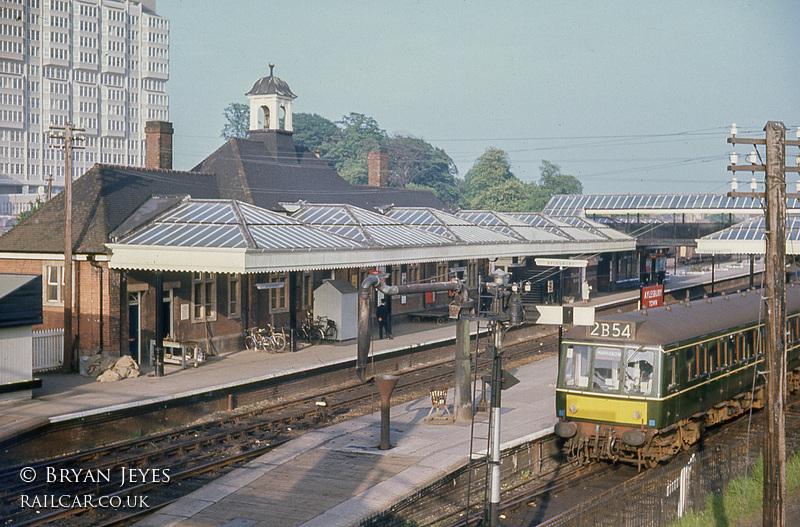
48 349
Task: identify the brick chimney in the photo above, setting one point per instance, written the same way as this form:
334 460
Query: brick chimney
158 145
378 165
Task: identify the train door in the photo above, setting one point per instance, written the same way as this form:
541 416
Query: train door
134 324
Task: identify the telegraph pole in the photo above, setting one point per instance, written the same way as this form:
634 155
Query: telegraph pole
774 501
65 134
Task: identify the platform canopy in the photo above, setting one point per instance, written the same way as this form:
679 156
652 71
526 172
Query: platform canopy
229 236
626 204
748 237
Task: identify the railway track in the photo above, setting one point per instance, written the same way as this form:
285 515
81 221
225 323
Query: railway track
535 505
193 455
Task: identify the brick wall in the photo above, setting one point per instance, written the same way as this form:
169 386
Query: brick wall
86 320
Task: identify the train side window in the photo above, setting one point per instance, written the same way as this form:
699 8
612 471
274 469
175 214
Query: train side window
712 349
576 370
736 349
691 362
607 365
749 341
670 375
725 348
702 361
759 341
793 330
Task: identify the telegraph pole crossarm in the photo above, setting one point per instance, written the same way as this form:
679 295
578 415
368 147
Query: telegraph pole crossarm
774 499
65 134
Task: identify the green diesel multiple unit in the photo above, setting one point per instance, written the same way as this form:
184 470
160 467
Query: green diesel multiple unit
639 387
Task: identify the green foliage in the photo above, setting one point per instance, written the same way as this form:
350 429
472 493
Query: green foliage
348 150
314 131
741 499
489 184
415 163
237 116
32 207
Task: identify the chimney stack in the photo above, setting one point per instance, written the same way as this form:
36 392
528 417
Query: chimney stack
158 145
378 164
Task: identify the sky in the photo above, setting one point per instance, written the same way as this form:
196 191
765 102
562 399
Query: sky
627 96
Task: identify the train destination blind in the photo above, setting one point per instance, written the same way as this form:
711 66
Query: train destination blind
609 329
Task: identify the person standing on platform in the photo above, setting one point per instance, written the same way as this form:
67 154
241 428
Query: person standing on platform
585 290
384 314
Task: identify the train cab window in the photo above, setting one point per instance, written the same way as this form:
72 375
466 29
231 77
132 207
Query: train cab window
639 372
576 368
607 362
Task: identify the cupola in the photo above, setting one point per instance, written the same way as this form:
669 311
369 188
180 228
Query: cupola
270 104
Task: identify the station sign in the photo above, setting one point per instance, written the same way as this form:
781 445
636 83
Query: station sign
270 285
560 262
652 296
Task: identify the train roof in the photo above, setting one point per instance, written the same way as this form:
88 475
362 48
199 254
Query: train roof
684 321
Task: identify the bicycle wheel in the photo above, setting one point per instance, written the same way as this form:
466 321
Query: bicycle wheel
331 333
250 343
280 342
267 344
315 335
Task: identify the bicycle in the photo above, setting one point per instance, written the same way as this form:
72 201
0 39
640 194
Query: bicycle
331 332
261 339
310 332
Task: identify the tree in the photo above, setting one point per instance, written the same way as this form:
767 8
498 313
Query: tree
314 131
237 116
489 184
552 182
415 163
348 151
32 207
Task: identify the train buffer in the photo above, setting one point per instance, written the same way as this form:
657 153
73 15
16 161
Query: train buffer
439 402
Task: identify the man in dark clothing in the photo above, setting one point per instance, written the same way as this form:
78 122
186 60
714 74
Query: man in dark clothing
384 319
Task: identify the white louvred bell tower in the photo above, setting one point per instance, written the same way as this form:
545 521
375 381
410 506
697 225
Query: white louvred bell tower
271 104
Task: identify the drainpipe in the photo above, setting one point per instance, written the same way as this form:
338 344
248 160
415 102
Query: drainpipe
93 263
365 296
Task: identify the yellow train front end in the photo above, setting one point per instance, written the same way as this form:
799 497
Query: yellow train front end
607 401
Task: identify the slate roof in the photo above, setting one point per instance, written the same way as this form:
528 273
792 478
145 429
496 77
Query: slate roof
267 169
102 200
263 170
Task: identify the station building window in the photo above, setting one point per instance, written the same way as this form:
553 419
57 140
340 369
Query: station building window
54 284
278 296
308 290
234 295
204 294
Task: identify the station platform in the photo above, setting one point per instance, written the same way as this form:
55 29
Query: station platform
332 476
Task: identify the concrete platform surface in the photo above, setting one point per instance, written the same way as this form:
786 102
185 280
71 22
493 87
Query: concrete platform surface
337 476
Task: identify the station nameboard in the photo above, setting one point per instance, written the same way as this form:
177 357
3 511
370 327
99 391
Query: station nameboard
560 262
652 296
610 329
